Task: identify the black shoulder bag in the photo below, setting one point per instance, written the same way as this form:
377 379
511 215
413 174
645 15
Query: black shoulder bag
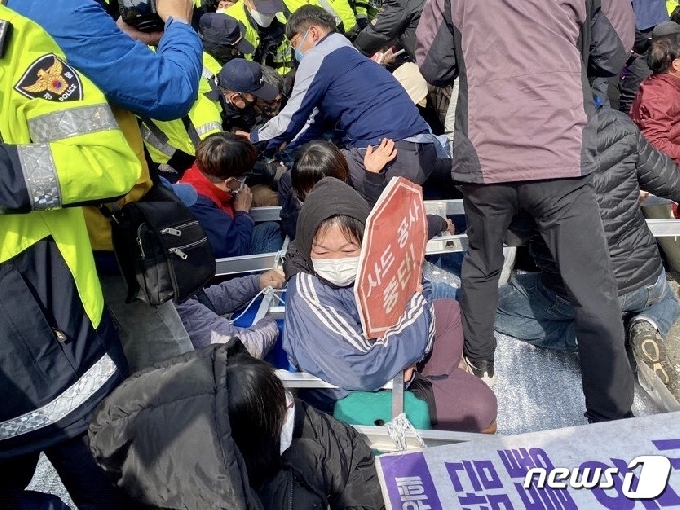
161 249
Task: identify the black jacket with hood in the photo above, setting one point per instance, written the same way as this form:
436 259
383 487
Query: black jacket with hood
164 437
627 163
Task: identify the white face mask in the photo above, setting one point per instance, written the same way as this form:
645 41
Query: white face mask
264 20
220 10
340 272
289 424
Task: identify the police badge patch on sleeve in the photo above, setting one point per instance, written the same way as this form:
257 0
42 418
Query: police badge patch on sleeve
52 79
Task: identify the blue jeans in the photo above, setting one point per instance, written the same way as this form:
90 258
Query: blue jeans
451 262
529 311
266 238
441 290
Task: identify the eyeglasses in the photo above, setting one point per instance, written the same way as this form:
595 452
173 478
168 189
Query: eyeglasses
296 38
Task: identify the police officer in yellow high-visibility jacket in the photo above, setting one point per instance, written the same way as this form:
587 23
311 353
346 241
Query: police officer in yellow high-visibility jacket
172 144
671 5
161 85
265 32
59 353
339 9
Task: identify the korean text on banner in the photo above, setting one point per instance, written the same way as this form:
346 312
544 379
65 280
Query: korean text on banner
622 465
390 264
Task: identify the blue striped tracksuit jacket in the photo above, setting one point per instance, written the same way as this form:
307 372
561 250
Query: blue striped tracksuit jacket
323 336
338 85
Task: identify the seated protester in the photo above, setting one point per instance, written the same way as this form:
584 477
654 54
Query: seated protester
656 111
323 333
215 428
237 87
203 315
313 162
223 162
222 37
339 86
320 159
534 306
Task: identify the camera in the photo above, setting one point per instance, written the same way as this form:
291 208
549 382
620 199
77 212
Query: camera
141 14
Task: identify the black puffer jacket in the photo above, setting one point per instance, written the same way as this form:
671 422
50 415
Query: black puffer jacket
396 21
164 437
627 162
328 465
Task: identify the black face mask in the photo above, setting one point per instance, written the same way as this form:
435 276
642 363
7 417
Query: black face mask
221 52
241 118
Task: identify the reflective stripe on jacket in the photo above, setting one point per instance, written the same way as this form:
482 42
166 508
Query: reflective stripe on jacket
61 146
163 138
282 58
70 149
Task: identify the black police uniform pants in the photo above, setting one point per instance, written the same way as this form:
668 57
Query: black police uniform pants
568 218
85 481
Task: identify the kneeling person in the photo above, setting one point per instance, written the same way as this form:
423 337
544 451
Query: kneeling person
535 307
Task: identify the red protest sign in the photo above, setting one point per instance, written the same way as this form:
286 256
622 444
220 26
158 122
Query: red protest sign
392 252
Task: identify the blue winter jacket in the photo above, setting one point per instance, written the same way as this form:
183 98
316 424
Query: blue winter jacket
229 237
322 335
339 85
161 85
649 13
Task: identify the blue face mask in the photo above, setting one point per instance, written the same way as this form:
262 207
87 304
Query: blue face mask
298 54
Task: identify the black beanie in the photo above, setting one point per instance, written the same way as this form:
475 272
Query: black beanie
329 197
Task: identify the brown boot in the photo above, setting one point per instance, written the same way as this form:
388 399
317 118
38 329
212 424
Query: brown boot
655 372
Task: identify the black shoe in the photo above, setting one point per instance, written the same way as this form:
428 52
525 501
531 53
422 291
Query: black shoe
481 368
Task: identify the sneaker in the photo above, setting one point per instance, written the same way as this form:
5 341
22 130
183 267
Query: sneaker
482 369
656 374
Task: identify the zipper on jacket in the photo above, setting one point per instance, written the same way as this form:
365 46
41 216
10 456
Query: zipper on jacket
60 335
172 231
139 241
290 494
179 250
